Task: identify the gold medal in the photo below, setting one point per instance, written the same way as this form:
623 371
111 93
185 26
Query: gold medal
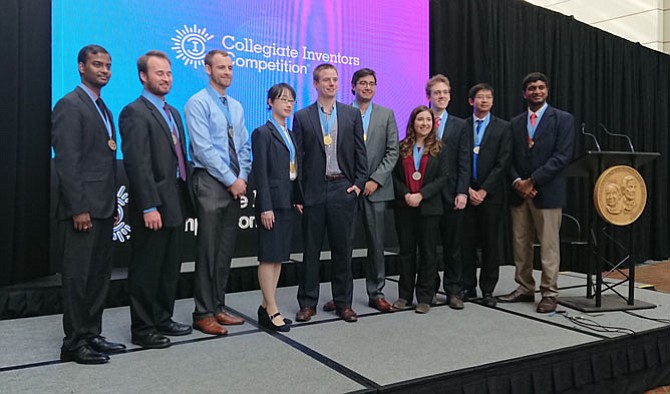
112 144
291 167
327 139
530 143
620 195
365 137
416 175
476 150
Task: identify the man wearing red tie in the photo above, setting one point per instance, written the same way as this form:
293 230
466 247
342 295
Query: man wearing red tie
542 146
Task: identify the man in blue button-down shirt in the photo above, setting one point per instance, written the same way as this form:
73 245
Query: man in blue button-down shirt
220 151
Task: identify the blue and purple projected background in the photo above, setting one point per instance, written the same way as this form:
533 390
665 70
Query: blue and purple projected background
271 42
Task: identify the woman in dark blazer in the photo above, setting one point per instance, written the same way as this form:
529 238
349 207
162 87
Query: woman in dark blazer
274 171
418 179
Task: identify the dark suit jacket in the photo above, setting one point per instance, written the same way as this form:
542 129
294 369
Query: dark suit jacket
270 169
455 144
351 155
85 165
493 159
433 183
150 160
551 153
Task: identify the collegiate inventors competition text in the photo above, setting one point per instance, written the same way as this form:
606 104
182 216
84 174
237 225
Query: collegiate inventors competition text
238 48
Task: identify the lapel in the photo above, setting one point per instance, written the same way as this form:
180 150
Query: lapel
313 114
93 108
340 113
277 134
547 118
159 118
489 130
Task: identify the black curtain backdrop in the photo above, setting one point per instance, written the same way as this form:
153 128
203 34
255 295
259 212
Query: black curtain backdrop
25 109
598 77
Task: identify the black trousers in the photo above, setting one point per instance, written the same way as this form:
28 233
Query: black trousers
218 218
336 216
417 232
482 229
87 268
153 276
451 230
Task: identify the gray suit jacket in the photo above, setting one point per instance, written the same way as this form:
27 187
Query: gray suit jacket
382 151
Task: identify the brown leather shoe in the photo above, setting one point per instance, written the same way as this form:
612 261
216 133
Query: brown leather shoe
455 302
516 296
305 314
547 305
348 315
329 306
208 325
381 305
228 320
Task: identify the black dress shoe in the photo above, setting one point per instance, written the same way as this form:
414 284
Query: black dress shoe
83 355
101 345
174 329
265 321
488 300
152 340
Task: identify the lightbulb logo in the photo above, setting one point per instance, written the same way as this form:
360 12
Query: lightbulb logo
121 228
190 45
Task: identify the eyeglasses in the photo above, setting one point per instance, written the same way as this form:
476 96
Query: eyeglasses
366 84
286 100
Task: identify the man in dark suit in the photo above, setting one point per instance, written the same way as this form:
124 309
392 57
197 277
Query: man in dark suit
451 130
155 162
490 147
84 141
542 146
332 170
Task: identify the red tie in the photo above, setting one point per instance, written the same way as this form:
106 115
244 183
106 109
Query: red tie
177 146
437 122
533 119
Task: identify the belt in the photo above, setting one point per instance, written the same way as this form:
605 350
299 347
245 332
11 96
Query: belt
334 177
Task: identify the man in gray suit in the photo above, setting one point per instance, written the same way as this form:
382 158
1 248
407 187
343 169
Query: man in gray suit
380 133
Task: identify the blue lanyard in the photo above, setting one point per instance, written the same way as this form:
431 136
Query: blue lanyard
417 153
108 125
443 122
366 118
479 136
224 108
327 124
287 140
539 113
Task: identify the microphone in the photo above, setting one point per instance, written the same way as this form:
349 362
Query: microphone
590 135
630 144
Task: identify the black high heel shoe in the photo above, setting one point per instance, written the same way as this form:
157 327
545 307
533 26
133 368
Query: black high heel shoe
265 321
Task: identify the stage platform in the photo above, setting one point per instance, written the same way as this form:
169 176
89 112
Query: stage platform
505 349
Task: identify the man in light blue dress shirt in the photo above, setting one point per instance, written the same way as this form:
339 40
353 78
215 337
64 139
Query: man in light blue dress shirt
220 151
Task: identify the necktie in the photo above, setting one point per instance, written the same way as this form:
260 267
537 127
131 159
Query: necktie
474 155
102 107
437 122
533 119
232 153
177 145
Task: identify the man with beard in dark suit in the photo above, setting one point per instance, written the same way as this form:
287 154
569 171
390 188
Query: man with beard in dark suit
155 162
84 142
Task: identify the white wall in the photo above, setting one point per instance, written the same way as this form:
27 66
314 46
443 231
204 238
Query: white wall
643 21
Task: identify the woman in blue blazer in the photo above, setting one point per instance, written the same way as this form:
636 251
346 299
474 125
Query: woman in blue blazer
274 170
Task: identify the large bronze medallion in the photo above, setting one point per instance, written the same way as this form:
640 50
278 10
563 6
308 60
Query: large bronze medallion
620 195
